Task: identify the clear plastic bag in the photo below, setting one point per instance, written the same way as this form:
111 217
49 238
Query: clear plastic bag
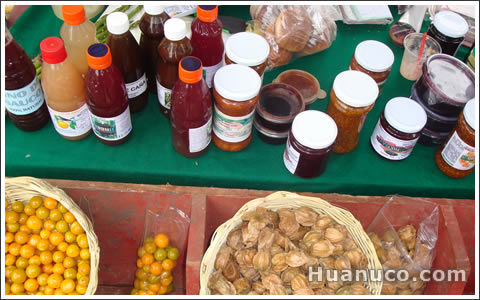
294 30
404 233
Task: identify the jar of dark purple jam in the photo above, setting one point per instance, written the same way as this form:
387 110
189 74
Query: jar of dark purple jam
449 30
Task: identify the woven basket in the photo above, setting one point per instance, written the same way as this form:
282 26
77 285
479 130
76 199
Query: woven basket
290 200
24 188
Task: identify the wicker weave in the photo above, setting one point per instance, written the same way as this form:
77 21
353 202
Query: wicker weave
291 200
24 188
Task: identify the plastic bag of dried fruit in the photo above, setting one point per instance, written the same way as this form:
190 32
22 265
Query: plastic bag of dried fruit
294 30
404 233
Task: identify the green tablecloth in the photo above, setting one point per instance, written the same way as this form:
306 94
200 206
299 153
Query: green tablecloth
149 157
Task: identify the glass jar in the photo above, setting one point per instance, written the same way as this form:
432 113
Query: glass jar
304 82
235 91
248 49
456 157
351 98
448 29
374 59
309 143
398 128
471 60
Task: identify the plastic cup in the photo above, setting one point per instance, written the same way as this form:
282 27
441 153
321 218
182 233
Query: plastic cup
410 68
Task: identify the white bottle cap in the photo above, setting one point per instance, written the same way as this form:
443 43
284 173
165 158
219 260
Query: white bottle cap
237 82
355 88
450 24
405 115
175 29
117 23
153 9
469 113
247 48
374 56
314 129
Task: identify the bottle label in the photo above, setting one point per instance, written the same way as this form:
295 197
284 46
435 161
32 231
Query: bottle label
26 100
137 87
112 129
232 129
291 157
199 138
73 123
459 154
164 95
209 72
389 146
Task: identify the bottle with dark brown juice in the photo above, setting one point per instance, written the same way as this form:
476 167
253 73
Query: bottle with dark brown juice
126 57
171 50
24 99
151 25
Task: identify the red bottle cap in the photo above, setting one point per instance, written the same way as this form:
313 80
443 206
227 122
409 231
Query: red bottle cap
53 50
190 69
73 14
207 13
99 56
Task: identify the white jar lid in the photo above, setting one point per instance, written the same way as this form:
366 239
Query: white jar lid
247 48
153 9
450 24
117 23
469 113
374 56
175 29
237 82
405 115
314 129
355 88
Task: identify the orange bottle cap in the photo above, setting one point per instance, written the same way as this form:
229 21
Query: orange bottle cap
190 69
207 13
99 56
73 14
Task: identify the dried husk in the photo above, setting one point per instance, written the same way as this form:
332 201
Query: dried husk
266 238
316 283
389 289
357 258
270 279
223 256
296 258
249 273
325 291
313 236
355 289
343 263
416 284
322 223
281 240
408 235
231 271
389 237
404 292
278 289
275 249
299 234
234 239
334 235
300 281
382 254
342 229
423 255
327 263
242 286
305 216
304 291
258 287
289 274
338 249
220 284
279 262
322 248
335 285
377 243
249 236
253 293
262 260
349 244
393 260
245 256
288 225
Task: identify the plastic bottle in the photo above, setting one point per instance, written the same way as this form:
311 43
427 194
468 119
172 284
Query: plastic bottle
64 90
24 100
126 57
174 46
107 97
151 25
207 41
191 111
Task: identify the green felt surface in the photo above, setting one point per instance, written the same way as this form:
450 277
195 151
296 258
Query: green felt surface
149 157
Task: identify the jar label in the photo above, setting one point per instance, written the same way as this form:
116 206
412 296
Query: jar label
232 129
26 100
112 129
137 87
72 123
209 72
164 95
199 138
291 157
459 154
389 146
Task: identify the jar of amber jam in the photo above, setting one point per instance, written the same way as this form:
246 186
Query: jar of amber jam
248 49
351 98
398 129
374 59
309 143
456 157
235 91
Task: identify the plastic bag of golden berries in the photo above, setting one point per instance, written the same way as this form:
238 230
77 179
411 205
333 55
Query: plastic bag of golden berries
404 234
161 255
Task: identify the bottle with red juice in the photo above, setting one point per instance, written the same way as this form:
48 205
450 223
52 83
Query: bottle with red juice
151 25
24 99
171 50
126 57
107 97
191 110
207 41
